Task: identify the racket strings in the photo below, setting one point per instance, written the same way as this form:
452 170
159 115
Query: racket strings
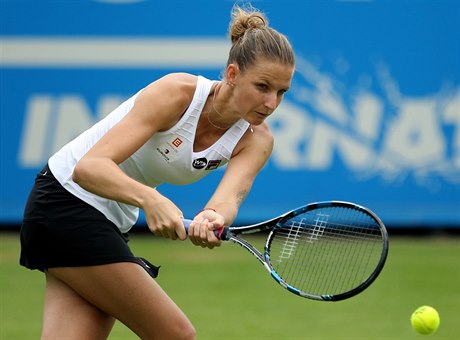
330 251
290 242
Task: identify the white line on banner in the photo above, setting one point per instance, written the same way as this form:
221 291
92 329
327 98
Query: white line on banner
100 52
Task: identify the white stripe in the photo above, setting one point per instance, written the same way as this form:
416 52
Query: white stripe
114 52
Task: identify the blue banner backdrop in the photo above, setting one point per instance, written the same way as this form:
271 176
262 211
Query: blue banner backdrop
373 115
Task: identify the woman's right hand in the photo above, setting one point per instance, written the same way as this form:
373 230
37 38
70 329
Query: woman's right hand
164 218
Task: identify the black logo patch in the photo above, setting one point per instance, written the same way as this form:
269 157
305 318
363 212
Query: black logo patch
213 164
200 163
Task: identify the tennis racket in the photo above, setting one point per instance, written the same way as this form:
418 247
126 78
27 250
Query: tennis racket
326 251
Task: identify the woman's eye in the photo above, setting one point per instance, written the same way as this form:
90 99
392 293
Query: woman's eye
262 87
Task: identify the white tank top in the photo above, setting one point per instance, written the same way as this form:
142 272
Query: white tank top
167 157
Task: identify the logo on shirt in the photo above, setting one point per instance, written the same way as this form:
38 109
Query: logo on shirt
214 164
177 142
202 162
170 149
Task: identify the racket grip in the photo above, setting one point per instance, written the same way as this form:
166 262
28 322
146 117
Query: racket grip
219 232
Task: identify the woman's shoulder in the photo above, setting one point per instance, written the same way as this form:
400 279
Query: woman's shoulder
258 139
173 86
260 133
180 81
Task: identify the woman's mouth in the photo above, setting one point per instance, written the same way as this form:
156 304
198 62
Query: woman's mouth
263 114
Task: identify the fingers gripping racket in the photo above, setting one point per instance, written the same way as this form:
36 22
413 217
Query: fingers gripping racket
327 251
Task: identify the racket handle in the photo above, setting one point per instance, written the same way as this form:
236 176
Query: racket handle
220 233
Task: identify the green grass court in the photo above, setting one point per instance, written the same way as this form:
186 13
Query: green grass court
228 295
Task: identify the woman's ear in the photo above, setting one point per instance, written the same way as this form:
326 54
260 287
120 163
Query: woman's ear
231 73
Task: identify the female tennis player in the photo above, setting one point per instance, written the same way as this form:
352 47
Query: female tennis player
176 130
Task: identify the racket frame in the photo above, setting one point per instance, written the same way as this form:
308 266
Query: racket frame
231 234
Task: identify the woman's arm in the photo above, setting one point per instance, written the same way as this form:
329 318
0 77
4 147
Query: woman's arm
251 154
157 108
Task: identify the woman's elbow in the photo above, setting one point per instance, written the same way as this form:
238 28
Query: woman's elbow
79 171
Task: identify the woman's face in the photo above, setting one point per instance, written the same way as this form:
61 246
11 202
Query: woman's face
260 89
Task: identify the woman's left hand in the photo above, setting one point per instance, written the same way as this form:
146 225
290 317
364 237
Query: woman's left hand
201 230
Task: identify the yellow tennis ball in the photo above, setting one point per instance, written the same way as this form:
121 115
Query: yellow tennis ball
425 320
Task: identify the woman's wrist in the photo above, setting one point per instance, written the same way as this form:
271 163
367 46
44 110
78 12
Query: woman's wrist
204 209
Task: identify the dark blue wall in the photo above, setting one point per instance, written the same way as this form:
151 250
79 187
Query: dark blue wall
373 115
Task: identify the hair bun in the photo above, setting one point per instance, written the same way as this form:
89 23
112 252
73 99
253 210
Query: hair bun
252 39
243 21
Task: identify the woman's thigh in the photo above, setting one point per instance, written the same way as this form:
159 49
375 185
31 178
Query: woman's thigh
125 291
68 316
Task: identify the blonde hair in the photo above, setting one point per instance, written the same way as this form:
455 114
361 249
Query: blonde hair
252 38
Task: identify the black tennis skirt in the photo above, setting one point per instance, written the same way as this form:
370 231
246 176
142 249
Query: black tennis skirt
60 230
